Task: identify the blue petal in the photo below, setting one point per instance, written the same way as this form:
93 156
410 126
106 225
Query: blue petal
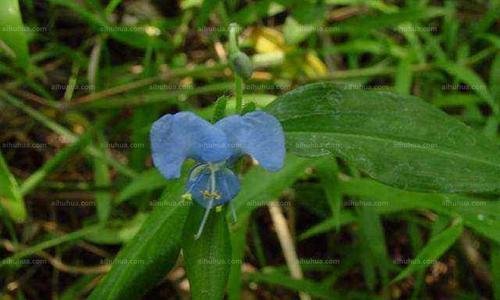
258 134
174 138
199 185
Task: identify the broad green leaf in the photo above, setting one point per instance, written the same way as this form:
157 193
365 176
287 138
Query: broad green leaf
147 258
13 40
207 259
11 198
433 250
399 140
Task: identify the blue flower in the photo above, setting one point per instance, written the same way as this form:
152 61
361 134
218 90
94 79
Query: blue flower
215 148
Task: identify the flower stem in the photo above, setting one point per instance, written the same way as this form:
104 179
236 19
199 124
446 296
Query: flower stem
238 91
233 51
233 39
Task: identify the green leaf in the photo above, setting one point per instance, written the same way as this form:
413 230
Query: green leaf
300 285
248 108
328 174
260 186
39 175
372 235
77 289
257 188
65 133
238 243
13 41
68 237
145 182
206 8
10 196
295 32
479 215
436 247
399 140
495 77
137 37
102 180
367 23
153 251
147 97
403 77
468 76
345 217
207 259
220 108
118 232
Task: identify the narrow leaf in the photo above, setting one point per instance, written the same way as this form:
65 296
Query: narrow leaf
436 247
147 258
13 41
145 182
10 196
207 259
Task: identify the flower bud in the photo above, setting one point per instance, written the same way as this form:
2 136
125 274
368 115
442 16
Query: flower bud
242 65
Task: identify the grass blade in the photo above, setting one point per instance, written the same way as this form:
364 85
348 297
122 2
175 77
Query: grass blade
11 198
13 41
36 178
433 250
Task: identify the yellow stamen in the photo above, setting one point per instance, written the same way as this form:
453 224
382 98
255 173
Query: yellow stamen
210 195
187 197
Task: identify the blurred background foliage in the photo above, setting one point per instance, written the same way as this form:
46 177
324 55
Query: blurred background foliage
82 81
